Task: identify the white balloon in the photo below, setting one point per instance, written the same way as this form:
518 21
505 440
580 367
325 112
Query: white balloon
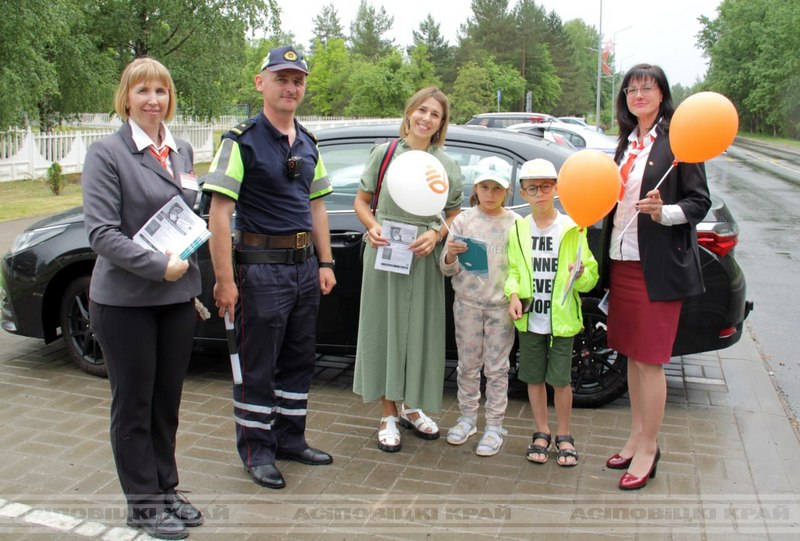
418 183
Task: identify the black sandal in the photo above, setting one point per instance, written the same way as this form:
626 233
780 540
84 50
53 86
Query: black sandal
566 453
539 449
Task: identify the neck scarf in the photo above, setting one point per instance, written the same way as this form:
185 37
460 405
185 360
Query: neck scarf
160 155
633 151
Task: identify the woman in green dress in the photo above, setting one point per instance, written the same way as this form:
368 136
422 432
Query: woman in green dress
401 333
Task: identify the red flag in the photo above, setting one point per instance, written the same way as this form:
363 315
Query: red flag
607 49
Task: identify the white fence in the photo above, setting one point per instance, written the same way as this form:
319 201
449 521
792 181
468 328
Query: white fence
26 155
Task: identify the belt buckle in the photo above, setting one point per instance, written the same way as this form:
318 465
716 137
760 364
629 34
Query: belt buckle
301 240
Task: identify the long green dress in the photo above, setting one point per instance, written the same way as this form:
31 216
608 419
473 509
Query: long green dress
401 332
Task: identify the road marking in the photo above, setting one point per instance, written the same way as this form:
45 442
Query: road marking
703 381
757 157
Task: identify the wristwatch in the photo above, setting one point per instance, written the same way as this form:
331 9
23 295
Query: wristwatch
327 264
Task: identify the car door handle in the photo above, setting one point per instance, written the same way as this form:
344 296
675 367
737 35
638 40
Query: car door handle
344 239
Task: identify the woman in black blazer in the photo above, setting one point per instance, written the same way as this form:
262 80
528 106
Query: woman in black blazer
142 302
651 242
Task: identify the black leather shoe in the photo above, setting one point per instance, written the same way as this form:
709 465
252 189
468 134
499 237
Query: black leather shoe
266 475
309 455
179 506
163 525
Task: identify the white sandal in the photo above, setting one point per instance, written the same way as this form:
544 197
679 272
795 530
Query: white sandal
491 441
423 426
389 437
461 431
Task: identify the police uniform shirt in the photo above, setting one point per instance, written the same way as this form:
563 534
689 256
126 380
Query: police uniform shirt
251 168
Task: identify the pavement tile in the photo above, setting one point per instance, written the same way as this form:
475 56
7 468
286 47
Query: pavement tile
719 442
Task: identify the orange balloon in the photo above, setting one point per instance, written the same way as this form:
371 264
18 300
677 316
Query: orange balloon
703 126
588 186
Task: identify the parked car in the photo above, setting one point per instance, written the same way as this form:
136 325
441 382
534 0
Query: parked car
501 120
544 135
579 136
46 273
579 121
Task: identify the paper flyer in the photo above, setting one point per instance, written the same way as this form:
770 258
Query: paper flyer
396 256
573 274
175 228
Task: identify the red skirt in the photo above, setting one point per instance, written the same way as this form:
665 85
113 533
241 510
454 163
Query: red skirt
638 327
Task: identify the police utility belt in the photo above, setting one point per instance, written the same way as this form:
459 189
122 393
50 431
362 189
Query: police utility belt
255 249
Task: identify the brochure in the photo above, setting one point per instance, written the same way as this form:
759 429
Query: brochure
175 228
396 256
475 259
573 274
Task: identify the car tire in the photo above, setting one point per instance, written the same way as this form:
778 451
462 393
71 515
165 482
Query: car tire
76 328
599 374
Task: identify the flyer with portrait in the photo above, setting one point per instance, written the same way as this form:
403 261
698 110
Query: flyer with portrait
396 256
175 228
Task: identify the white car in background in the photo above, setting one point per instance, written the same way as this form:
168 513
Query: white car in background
579 121
578 136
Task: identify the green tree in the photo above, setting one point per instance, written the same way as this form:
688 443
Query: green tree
533 56
419 71
51 66
487 33
579 84
378 88
473 92
438 51
202 43
366 32
326 27
754 59
328 92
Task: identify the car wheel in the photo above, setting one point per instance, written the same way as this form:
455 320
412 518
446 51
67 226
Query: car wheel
599 374
76 328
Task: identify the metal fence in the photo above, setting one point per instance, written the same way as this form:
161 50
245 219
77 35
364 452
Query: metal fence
28 155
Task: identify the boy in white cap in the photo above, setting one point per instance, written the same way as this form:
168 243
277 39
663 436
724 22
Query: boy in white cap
484 331
542 250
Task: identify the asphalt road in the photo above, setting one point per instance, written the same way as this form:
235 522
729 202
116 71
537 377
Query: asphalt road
759 183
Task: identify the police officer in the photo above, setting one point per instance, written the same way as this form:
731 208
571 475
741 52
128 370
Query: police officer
269 170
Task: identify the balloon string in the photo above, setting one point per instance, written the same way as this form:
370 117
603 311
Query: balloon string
674 163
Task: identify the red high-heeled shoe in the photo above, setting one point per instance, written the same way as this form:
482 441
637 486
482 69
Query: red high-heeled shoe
618 462
631 482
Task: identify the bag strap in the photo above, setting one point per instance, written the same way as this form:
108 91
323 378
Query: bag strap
387 157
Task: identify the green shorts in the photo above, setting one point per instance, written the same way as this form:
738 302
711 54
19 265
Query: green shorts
543 361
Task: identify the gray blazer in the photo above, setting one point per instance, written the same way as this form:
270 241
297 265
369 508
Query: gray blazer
122 188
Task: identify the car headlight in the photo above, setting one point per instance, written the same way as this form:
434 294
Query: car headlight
28 239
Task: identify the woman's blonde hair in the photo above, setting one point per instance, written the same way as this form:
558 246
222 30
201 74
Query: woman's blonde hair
414 103
143 69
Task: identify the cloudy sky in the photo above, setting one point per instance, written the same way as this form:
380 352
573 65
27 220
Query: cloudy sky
652 31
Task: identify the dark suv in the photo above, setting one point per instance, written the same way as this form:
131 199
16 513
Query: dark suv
46 274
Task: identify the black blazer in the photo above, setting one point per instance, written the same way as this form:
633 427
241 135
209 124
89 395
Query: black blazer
669 254
122 188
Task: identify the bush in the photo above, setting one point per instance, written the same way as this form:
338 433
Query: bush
55 178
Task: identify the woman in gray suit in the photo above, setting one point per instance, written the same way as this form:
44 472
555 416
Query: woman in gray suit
142 305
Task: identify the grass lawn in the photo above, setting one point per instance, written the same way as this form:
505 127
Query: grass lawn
27 198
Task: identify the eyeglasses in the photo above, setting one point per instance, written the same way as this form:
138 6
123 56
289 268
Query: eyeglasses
533 189
632 90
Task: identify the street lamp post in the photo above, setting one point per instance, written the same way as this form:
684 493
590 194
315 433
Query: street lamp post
614 72
599 67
